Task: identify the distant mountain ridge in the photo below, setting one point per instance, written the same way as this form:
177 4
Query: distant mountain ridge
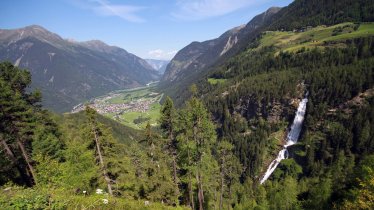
158 65
69 72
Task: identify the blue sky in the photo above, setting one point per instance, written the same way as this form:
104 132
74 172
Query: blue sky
148 28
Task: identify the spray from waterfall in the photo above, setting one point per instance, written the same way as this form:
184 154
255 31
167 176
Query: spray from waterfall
292 138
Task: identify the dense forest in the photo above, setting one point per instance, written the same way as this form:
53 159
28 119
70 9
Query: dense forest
258 91
189 161
305 13
211 151
63 161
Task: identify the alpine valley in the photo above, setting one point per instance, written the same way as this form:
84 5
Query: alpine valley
277 113
69 72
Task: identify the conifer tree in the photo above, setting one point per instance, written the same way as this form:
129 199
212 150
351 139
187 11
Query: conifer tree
98 139
17 121
196 137
168 121
158 184
230 170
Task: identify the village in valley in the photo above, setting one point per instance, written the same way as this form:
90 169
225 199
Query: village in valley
132 107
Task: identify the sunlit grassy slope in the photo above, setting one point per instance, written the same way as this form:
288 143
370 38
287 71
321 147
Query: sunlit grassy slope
214 81
153 114
315 37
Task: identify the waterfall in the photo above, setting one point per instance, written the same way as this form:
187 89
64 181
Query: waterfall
292 138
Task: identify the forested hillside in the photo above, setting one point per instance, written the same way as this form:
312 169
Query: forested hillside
78 160
213 142
253 97
303 13
299 16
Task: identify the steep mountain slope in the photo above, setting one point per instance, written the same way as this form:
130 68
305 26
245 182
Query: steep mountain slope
253 91
69 72
197 57
158 65
297 16
303 13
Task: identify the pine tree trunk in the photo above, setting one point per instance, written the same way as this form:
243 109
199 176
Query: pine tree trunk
200 191
230 193
14 161
175 170
190 192
8 151
176 191
198 142
215 199
28 161
222 185
173 152
105 174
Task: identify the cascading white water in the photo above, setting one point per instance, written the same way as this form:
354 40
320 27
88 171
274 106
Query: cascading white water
292 138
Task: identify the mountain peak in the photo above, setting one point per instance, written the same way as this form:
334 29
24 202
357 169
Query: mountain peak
35 27
273 9
96 42
69 72
36 31
98 45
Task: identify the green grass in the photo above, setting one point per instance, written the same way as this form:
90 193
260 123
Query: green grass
127 96
116 100
365 29
40 198
214 81
315 37
153 113
127 117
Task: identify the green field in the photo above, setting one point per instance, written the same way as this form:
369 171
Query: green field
214 81
129 95
315 37
153 114
144 106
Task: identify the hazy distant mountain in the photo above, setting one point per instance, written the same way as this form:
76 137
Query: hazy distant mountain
158 65
69 72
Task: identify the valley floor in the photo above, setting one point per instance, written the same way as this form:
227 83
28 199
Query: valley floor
131 107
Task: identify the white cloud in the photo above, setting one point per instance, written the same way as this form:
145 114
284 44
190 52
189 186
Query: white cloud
202 9
105 8
161 54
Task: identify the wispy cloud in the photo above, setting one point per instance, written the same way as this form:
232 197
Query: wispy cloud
105 8
202 9
161 54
